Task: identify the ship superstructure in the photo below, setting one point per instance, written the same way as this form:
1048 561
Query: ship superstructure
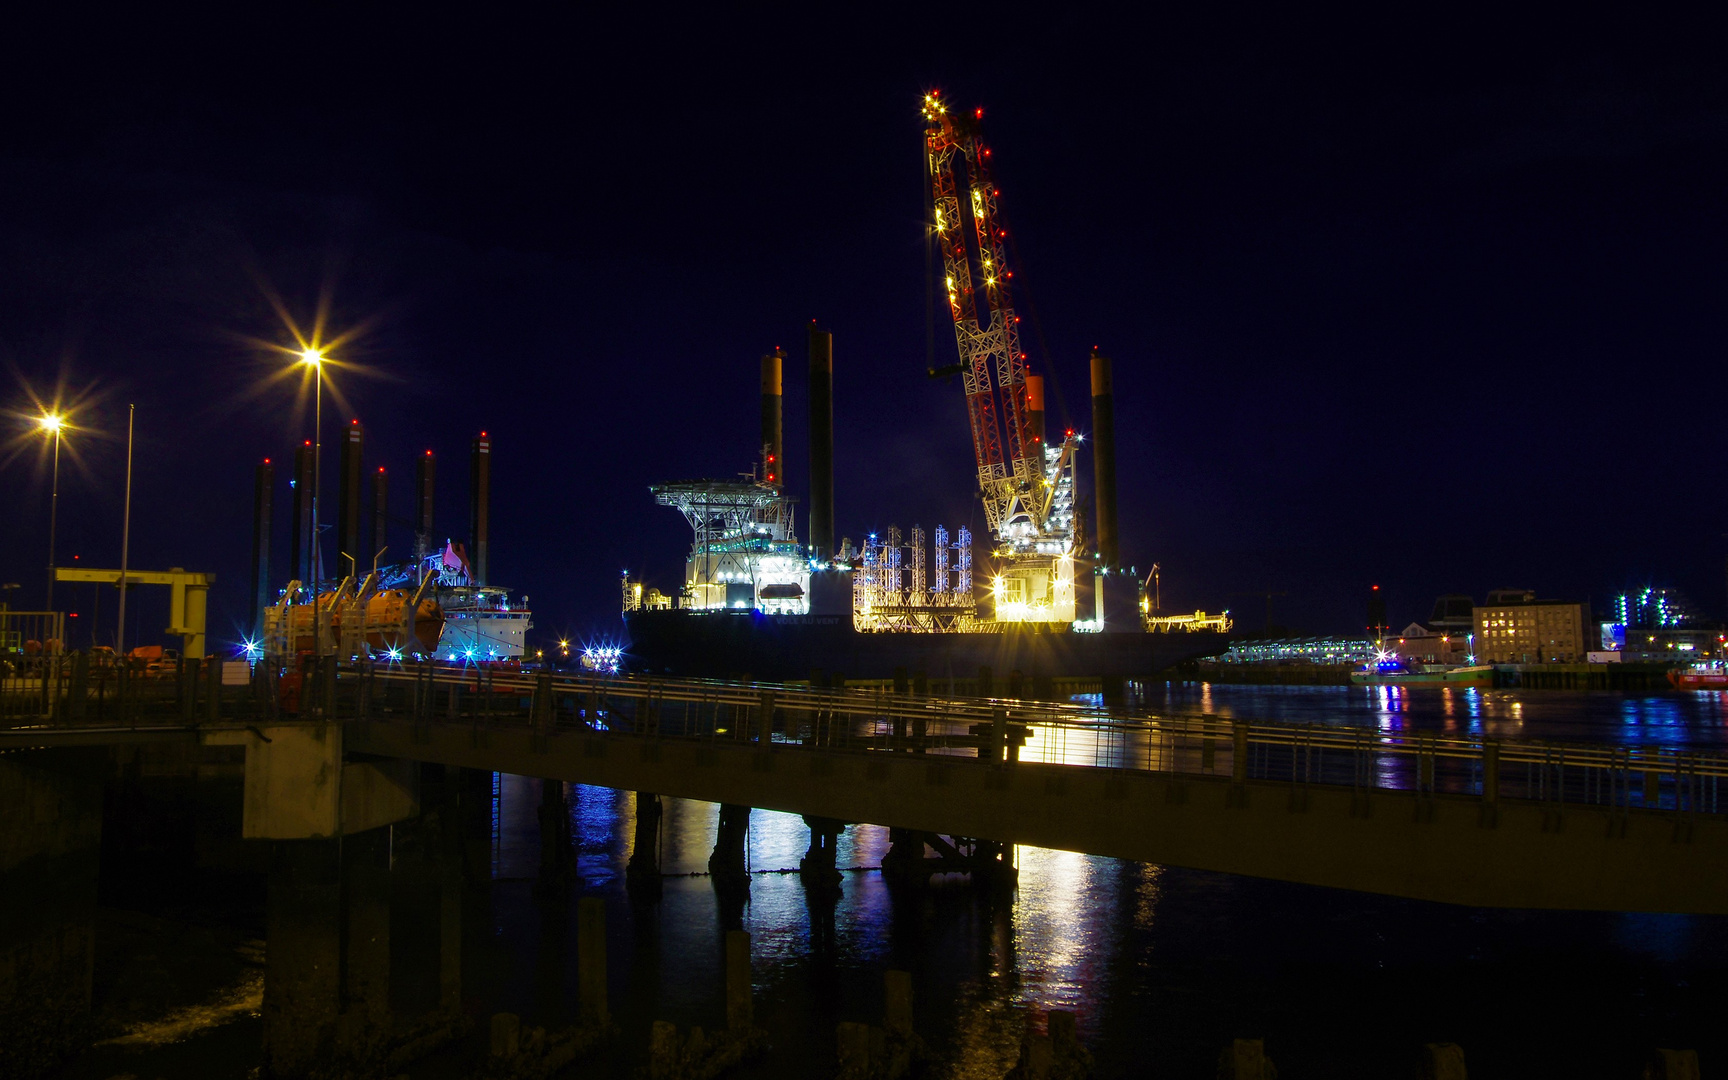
744 553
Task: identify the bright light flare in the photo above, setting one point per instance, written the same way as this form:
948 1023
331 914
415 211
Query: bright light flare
51 422
311 357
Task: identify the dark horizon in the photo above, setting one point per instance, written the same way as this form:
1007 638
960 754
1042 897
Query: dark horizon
1430 306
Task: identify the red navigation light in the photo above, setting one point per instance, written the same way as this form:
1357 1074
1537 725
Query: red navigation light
428 453
308 442
356 420
482 434
266 461
380 468
770 458
1376 588
978 114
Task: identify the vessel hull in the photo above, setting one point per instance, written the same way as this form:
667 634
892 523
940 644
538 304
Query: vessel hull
1481 677
724 645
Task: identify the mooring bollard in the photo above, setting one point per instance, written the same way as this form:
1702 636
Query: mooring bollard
897 1002
1672 1065
1245 1059
1443 1061
662 1050
506 1034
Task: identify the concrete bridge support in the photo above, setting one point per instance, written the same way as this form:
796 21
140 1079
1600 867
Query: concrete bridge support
327 953
303 954
557 855
728 864
51 802
642 875
817 868
364 1024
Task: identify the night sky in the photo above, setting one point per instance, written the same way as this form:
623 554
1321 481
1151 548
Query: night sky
1436 304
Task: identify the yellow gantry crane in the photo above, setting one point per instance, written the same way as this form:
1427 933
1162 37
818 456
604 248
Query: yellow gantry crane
188 597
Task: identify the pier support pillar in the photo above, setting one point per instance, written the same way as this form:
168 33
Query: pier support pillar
49 861
727 864
557 856
364 1024
817 868
740 1011
303 954
591 962
903 863
643 874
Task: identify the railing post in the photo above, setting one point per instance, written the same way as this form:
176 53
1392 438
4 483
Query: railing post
765 720
213 690
998 736
1652 789
78 696
1491 773
1239 751
187 677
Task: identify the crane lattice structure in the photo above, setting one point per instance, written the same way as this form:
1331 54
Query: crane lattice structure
1027 486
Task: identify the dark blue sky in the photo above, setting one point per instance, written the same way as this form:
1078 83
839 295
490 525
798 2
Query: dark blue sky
1435 303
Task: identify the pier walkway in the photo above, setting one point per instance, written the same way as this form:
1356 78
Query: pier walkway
1447 818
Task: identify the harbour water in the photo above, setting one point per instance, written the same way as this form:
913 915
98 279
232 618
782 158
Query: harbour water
1162 965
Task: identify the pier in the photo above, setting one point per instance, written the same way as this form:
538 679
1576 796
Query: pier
1493 823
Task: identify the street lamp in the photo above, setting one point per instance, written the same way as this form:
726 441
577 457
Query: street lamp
50 423
314 359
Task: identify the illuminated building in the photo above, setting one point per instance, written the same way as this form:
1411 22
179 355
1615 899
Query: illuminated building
1659 625
1513 627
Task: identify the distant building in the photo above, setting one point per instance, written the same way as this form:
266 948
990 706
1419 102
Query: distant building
1513 627
1431 645
1300 650
1660 625
1444 638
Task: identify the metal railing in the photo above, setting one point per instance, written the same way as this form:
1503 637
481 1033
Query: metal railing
68 691
1006 731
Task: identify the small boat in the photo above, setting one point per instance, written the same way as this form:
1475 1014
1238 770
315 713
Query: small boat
1391 670
1699 677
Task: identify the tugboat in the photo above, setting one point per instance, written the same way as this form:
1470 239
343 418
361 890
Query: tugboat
1699 677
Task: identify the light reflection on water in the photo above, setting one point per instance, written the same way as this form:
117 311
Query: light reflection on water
1693 718
1161 965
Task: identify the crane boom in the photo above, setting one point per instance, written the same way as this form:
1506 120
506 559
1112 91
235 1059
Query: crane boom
992 367
1027 487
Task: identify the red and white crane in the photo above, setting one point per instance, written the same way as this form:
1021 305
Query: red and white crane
1027 486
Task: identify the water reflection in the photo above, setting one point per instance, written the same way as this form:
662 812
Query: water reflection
1677 719
1161 965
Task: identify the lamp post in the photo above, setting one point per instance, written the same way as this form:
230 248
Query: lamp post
125 538
51 423
315 360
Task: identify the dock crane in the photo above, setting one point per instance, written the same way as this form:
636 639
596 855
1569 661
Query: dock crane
1026 485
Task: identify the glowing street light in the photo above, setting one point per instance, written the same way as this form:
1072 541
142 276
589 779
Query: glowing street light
314 359
51 423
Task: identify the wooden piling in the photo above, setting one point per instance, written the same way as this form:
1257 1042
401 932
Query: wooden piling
591 961
739 1010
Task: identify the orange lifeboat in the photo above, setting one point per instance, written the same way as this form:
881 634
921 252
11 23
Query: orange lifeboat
388 626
